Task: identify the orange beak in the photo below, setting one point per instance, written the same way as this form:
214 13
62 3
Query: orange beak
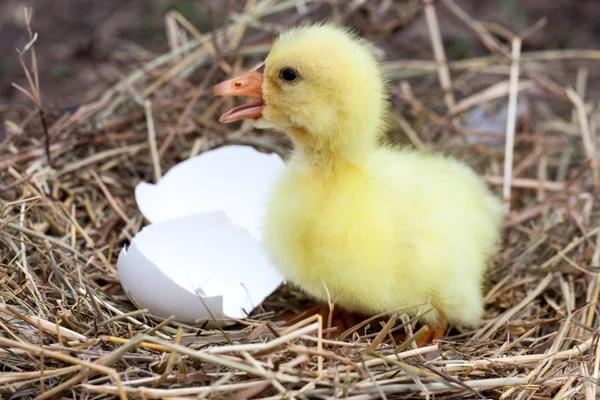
249 85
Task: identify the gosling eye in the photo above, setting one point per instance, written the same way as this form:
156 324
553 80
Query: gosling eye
288 75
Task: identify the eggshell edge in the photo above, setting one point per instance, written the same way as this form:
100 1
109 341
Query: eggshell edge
145 284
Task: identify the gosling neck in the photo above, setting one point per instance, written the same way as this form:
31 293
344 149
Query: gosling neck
326 151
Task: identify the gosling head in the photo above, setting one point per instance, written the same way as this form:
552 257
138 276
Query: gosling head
321 84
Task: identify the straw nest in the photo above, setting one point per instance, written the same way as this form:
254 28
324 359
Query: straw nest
66 187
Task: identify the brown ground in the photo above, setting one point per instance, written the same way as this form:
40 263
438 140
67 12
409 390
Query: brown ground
80 40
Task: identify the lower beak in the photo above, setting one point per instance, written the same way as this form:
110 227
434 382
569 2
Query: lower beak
249 85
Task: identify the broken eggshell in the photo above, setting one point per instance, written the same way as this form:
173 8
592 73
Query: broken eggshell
184 266
491 118
203 248
233 179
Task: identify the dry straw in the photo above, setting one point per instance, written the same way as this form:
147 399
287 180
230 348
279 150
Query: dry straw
66 328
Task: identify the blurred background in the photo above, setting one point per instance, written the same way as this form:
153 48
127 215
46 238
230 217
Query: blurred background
84 44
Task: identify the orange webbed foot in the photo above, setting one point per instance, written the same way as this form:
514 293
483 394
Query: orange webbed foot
335 320
435 332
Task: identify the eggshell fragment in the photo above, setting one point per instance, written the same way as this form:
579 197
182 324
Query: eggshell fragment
179 266
488 119
202 250
234 179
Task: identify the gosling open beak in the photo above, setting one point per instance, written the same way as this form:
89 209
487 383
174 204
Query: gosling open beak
249 85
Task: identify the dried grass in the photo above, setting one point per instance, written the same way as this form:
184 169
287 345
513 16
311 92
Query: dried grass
66 328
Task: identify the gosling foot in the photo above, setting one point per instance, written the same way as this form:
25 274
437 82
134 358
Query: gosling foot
335 321
435 332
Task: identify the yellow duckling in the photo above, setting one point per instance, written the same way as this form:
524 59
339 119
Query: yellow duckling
371 228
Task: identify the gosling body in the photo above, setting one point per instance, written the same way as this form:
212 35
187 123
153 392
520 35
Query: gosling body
371 228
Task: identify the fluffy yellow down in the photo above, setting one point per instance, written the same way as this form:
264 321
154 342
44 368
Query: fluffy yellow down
372 228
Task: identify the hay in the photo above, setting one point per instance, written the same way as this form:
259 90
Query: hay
66 328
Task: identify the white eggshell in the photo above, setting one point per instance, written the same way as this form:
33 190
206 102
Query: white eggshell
173 267
232 179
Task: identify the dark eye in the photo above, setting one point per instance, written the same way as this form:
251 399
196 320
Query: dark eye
288 74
